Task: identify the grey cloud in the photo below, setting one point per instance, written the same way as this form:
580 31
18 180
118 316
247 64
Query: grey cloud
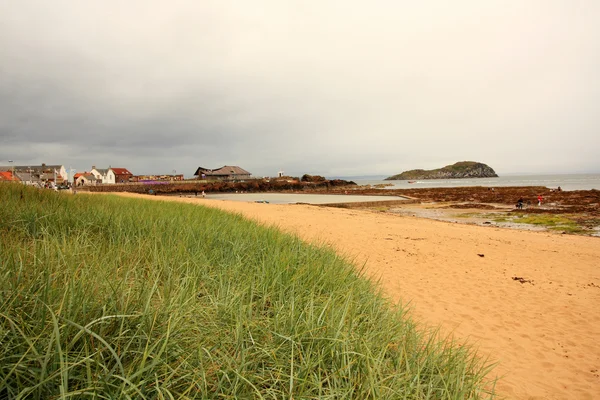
325 87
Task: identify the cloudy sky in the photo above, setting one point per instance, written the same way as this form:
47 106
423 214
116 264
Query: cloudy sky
338 88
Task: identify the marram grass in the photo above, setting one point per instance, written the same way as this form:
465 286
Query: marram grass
104 297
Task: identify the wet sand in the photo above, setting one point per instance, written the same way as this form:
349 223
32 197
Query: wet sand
302 198
543 331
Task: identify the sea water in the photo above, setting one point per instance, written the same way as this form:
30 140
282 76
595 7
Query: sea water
566 182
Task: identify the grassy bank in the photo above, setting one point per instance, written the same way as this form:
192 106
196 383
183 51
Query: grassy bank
105 297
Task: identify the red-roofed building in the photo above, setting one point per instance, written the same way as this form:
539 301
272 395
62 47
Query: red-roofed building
122 175
8 176
85 179
112 175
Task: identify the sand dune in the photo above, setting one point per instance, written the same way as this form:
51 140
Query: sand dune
543 332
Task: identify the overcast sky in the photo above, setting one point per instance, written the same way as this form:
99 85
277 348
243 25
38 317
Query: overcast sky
337 88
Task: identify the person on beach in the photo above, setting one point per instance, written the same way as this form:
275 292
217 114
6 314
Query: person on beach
203 194
540 198
520 203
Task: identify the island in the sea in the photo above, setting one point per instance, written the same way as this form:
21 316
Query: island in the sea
462 169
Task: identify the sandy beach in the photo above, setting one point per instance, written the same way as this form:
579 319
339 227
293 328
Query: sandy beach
542 330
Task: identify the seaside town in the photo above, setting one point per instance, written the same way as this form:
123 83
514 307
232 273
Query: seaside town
57 177
228 178
504 205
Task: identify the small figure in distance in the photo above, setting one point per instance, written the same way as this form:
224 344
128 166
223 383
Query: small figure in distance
540 198
559 189
203 194
520 203
151 192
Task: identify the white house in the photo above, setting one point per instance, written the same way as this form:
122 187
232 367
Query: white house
104 175
110 176
99 173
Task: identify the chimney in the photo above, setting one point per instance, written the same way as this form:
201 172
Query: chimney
43 164
93 167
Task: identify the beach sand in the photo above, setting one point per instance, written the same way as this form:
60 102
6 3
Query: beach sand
544 333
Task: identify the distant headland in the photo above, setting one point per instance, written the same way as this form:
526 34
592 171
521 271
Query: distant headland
459 170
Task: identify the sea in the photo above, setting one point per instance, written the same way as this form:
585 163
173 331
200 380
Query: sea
566 182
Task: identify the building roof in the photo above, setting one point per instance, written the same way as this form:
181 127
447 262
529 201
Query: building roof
37 169
121 171
226 170
27 177
101 171
78 174
7 176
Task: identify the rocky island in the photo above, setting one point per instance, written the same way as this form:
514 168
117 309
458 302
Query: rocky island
459 170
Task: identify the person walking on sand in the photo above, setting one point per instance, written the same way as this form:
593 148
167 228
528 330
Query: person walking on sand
540 198
203 194
520 203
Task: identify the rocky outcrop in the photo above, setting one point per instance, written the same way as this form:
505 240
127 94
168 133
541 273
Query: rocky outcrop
250 185
312 178
463 169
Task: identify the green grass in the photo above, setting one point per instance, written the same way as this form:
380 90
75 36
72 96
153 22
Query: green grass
105 297
480 215
549 221
544 219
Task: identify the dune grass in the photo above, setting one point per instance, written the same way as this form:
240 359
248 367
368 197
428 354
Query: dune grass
104 297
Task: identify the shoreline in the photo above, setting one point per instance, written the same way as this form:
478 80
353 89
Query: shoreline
541 330
499 216
576 212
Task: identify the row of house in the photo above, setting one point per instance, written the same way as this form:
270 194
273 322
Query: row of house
118 175
35 174
57 175
108 175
